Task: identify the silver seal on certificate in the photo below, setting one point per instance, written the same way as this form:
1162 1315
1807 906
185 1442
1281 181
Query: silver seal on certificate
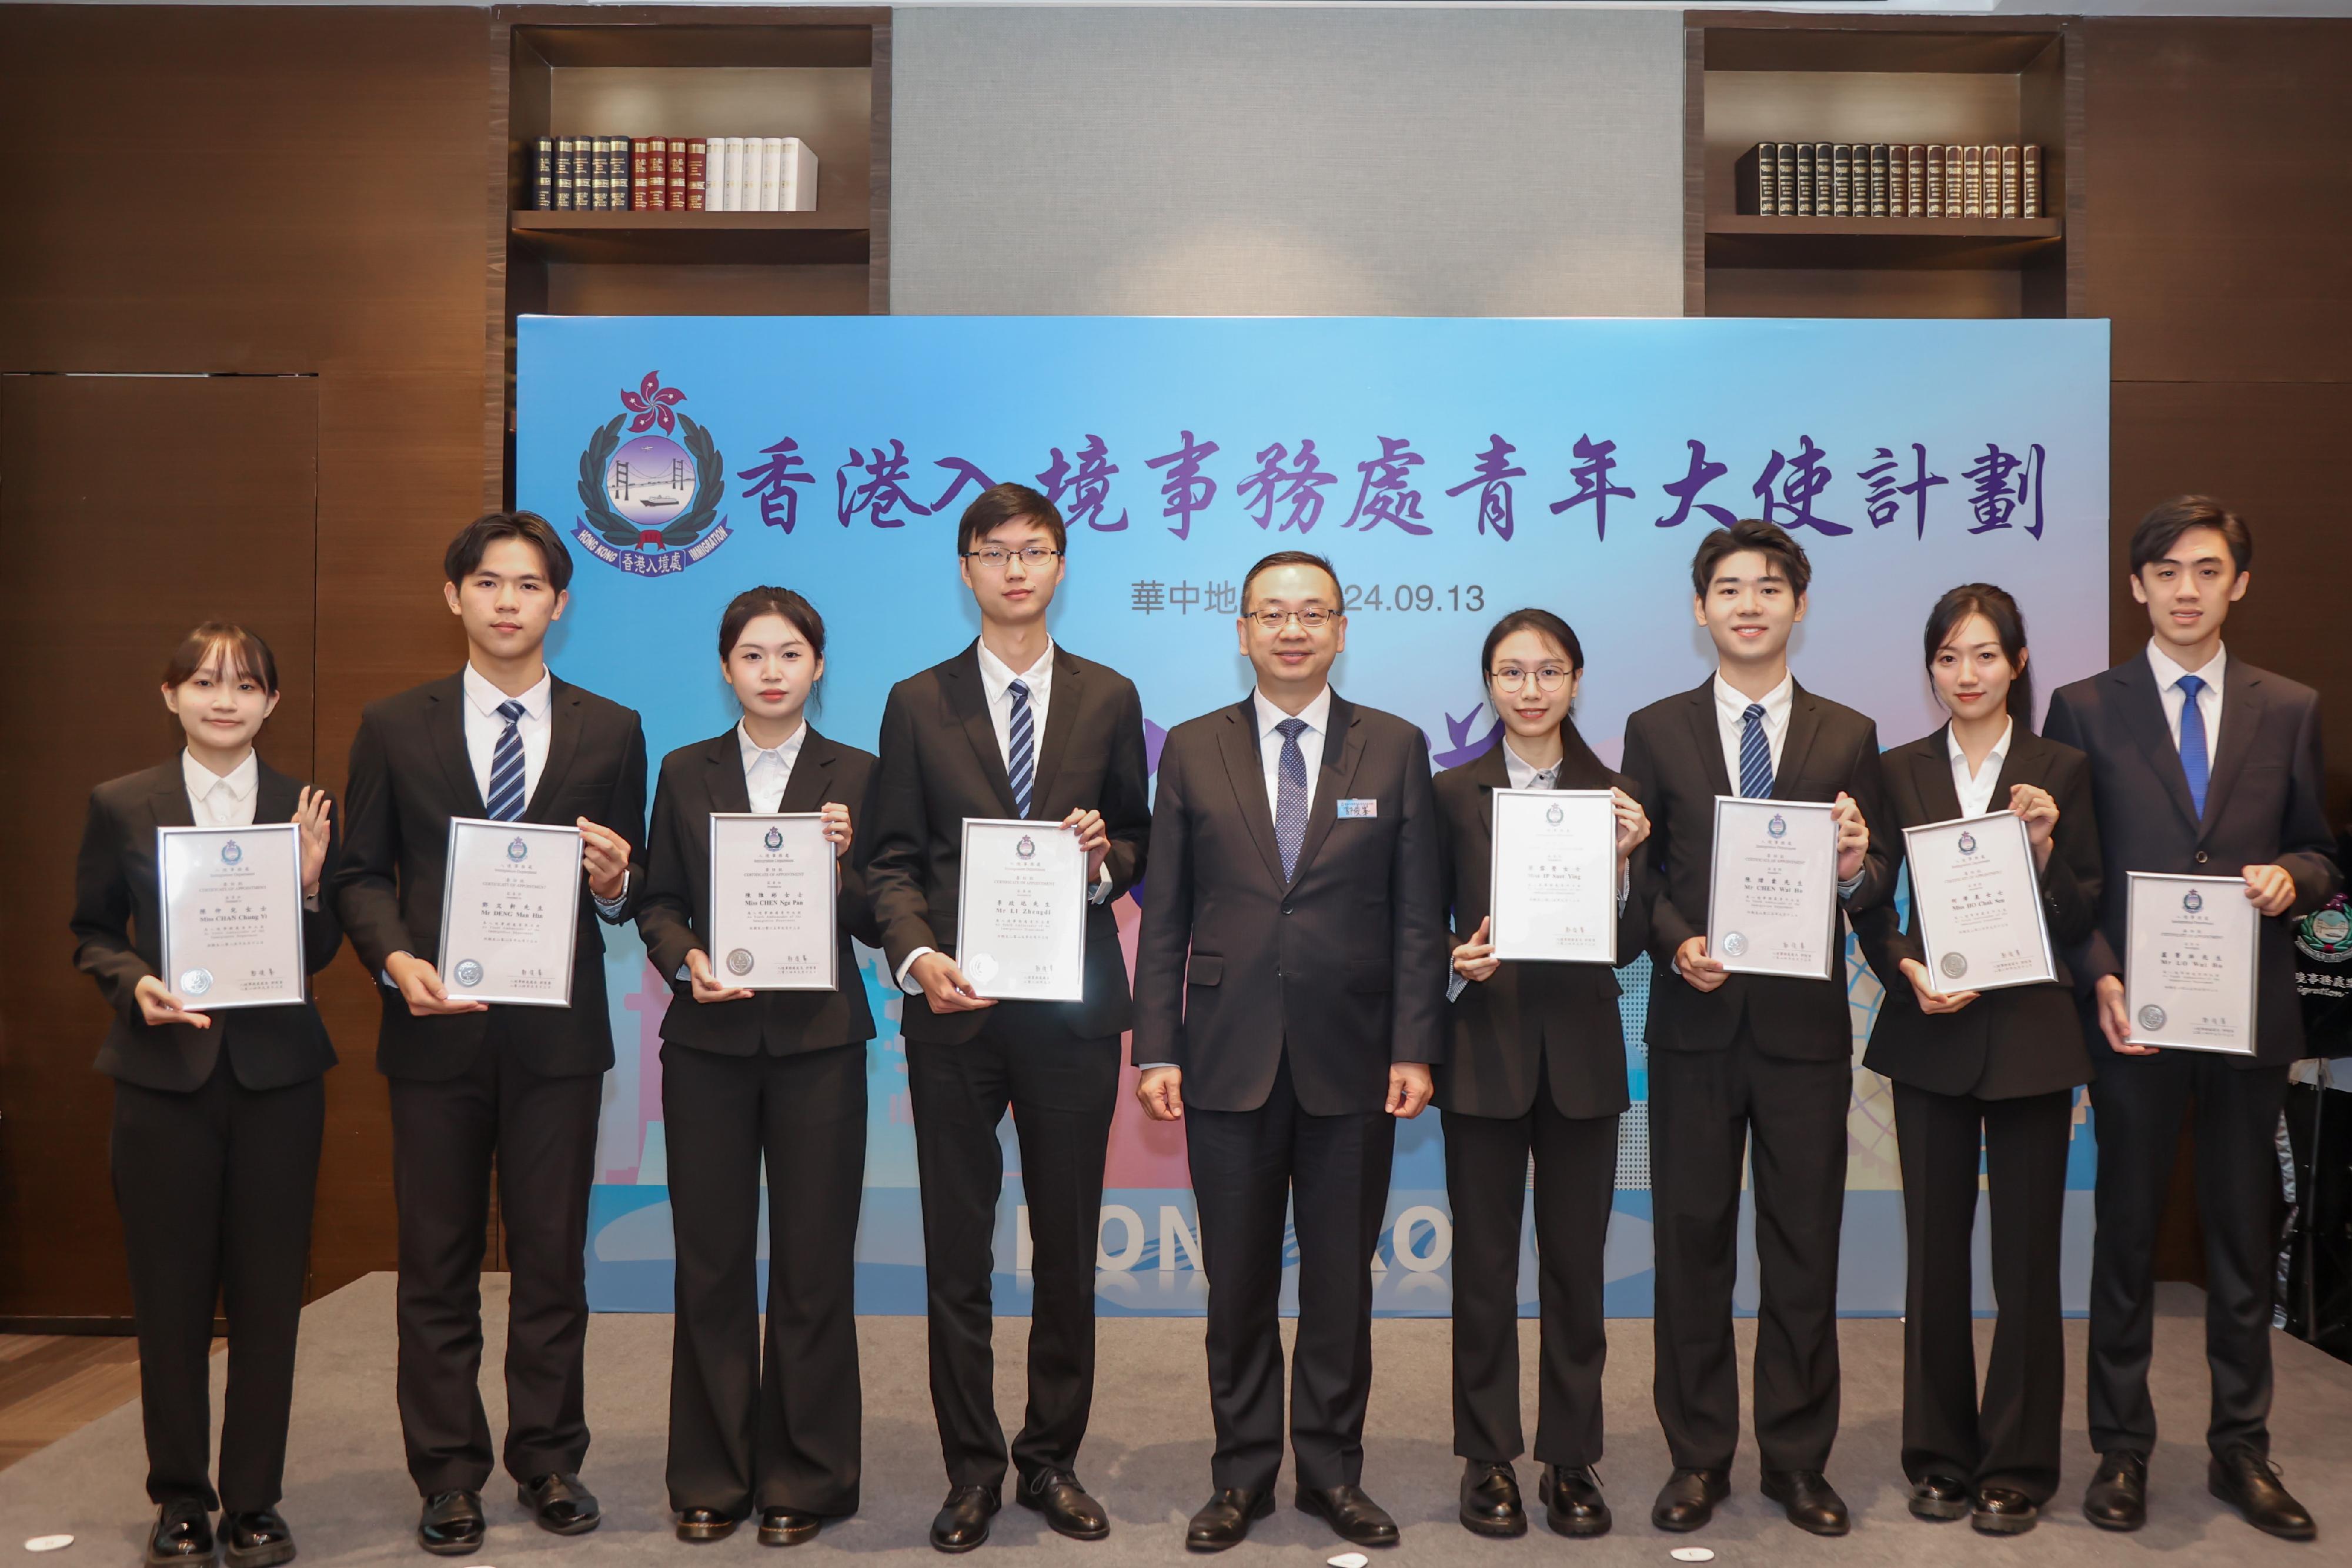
1771 905
1976 902
511 912
1020 911
1554 875
196 982
231 915
773 884
2192 952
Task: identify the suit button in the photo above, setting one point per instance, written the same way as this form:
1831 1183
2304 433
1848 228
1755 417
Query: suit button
1286 909
2201 857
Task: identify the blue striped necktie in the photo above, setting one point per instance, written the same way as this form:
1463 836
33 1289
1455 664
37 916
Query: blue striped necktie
2194 761
505 802
1290 796
1755 755
1021 763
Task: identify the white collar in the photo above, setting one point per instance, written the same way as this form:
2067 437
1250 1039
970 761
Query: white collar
995 674
486 697
1993 758
787 754
201 780
1521 773
1317 714
2168 669
1732 702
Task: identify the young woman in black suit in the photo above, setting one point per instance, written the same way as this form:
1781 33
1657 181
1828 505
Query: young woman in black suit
1994 1072
748 1076
1535 1064
218 1116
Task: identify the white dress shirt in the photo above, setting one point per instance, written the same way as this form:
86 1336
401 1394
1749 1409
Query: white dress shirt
1976 789
767 773
484 726
1731 721
1318 715
214 801
2208 700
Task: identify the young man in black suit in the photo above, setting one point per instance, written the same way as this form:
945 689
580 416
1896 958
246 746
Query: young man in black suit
1290 984
1010 727
2200 765
1751 1065
504 739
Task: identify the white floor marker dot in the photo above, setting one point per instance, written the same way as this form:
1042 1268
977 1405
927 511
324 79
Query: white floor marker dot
1693 1554
48 1543
1349 1560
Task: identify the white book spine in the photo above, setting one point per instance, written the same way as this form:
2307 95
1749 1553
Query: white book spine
799 177
772 159
714 177
742 174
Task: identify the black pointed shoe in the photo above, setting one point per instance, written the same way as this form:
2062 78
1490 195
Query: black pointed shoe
1353 1517
183 1532
1224 1520
1688 1499
1572 1501
705 1524
1811 1502
255 1538
2248 1482
1067 1509
451 1524
2004 1510
559 1503
1490 1499
962 1522
2116 1498
1938 1498
788 1526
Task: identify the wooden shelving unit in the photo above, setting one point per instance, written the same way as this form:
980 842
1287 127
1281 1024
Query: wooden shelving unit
1758 75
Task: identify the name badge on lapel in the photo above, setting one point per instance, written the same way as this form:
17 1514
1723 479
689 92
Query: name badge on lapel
1359 809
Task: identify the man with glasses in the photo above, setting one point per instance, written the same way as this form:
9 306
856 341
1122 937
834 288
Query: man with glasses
1010 727
1290 982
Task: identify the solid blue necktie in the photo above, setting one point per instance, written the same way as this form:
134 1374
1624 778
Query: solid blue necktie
505 801
1022 763
2192 741
1290 795
1755 755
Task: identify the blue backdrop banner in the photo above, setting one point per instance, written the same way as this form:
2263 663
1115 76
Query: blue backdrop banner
1453 470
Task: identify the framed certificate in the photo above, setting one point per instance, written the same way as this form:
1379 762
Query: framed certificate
1978 898
1020 911
1771 906
771 925
509 912
231 915
2191 949
1554 875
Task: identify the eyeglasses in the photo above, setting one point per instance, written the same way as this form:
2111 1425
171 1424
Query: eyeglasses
996 559
1272 620
1511 678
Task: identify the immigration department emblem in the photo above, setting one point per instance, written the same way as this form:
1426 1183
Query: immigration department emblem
1554 815
774 840
2192 900
650 493
1968 842
1027 847
231 852
516 849
1777 826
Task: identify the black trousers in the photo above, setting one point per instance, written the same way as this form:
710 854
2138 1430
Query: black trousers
2011 1439
2139 1104
1708 1109
2319 1261
1487 1185
1061 1093
741 1436
214 1187
1332 1173
444 1132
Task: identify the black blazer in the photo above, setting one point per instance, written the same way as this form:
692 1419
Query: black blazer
707 777
1343 967
2020 1039
1502 1031
940 764
1673 753
2262 806
409 775
117 921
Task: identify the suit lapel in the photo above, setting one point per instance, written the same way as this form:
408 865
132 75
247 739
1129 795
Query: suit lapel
2025 764
722 777
1343 746
169 800
446 720
563 745
275 796
1804 723
1707 731
1061 717
966 701
1493 773
811 781
2242 720
2143 711
1931 776
1246 772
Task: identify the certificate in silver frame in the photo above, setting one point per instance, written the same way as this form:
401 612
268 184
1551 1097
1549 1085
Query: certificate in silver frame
509 912
2192 955
1031 945
1552 875
1771 906
772 921
1971 906
242 888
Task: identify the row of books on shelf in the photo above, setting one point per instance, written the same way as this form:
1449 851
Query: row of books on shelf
1890 180
673 174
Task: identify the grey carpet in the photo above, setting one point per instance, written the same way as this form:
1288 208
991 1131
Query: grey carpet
349 1501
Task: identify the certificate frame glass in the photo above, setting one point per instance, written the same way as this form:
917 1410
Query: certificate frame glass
1951 969
727 954
537 837
1744 952
1071 963
2151 1022
1550 810
189 846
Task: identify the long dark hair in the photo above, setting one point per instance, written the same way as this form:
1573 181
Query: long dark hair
769 599
2008 624
1580 767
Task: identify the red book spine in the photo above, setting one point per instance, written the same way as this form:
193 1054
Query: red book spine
656 157
676 176
638 198
697 165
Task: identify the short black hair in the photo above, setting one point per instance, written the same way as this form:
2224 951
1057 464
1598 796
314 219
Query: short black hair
2008 623
2162 528
463 556
1002 504
1295 558
242 653
1771 540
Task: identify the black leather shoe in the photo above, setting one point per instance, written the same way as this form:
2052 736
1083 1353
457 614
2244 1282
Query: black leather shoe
1938 1497
2248 1482
561 1504
1067 1509
451 1524
705 1524
787 1526
2003 1510
183 1532
1353 1517
1224 1520
1490 1499
2117 1496
255 1538
1572 1501
1810 1501
962 1521
1688 1499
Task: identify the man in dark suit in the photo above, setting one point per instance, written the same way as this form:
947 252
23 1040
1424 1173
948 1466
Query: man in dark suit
2200 765
1749 1064
1291 982
1011 726
503 739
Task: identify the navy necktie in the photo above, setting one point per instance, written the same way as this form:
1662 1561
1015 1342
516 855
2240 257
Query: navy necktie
1290 795
1021 761
1755 755
505 802
2193 760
